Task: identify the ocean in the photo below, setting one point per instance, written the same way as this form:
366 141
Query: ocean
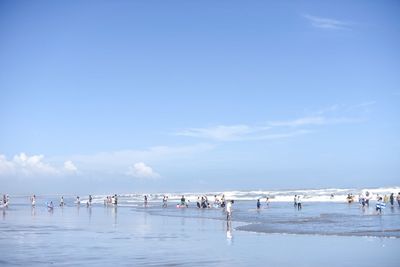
326 231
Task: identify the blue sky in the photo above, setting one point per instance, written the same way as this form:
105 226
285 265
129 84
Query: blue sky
130 96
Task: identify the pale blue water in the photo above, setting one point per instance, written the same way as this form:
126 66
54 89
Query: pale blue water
136 236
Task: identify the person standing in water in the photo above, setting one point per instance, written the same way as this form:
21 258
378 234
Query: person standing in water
398 199
198 202
62 201
90 200
145 200
165 199
50 206
295 201
78 201
386 199
5 200
216 201
33 200
367 197
229 210
391 199
258 204
299 207
115 200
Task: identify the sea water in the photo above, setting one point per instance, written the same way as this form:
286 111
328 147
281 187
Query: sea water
132 234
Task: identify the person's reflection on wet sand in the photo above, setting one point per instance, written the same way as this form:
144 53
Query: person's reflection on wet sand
89 210
229 236
114 213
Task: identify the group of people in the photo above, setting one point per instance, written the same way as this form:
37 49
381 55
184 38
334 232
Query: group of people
363 200
50 204
381 202
202 202
111 200
259 202
390 199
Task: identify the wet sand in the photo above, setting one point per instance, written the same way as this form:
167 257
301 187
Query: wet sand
127 236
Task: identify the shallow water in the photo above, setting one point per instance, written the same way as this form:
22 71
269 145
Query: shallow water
133 235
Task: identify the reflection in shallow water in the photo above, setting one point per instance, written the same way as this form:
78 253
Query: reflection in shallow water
229 235
89 212
114 214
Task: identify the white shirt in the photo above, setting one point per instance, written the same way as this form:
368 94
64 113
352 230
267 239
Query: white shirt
229 207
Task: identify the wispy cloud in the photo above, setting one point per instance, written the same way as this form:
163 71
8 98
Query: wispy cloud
238 133
318 120
282 135
327 23
362 105
223 132
279 129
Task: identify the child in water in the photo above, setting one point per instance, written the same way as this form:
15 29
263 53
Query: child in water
380 205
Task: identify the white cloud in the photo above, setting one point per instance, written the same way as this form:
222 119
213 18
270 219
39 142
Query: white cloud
115 161
32 165
141 170
104 163
70 167
327 23
25 165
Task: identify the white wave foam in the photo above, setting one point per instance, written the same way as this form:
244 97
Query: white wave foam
308 195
